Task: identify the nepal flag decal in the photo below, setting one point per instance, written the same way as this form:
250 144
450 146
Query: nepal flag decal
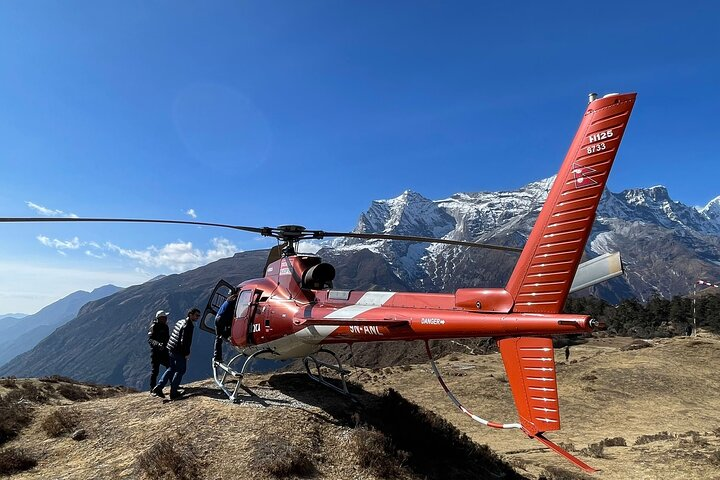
582 176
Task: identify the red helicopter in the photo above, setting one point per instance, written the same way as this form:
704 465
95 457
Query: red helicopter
293 311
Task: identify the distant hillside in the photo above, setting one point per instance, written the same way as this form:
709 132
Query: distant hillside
107 341
8 321
24 333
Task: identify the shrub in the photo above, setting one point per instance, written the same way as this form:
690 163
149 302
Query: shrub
58 379
168 459
31 392
60 422
8 382
570 447
14 460
375 452
695 438
282 459
644 439
596 450
72 392
614 442
15 415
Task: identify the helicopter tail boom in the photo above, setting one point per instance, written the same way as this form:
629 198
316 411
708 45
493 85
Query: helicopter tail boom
543 275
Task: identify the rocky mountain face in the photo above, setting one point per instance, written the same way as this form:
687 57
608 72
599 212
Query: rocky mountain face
22 334
666 245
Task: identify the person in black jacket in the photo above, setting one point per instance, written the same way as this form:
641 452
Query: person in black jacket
223 324
179 348
158 336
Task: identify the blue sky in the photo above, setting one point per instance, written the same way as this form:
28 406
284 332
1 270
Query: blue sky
264 113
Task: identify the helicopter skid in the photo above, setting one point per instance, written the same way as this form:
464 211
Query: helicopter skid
224 374
336 367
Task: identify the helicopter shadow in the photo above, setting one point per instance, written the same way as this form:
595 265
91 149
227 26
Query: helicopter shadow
429 446
301 388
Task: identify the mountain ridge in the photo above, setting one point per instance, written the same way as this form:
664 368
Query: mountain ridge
28 331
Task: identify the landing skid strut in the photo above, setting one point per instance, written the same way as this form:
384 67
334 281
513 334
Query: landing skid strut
318 364
224 374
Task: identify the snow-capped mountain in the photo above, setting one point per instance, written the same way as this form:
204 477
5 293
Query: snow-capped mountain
712 210
665 244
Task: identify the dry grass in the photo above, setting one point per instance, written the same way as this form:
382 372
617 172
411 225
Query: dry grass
168 459
637 393
559 473
609 393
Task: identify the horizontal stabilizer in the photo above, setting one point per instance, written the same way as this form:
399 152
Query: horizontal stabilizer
597 270
530 367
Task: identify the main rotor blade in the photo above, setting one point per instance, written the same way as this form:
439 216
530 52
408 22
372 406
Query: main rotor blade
383 236
263 231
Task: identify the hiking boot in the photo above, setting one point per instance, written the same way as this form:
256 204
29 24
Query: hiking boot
176 396
157 391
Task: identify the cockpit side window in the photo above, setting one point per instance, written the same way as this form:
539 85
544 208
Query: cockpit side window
243 302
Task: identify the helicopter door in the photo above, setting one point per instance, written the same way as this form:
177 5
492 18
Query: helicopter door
244 314
221 292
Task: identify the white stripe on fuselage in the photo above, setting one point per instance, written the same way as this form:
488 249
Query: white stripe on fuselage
367 302
307 341
296 345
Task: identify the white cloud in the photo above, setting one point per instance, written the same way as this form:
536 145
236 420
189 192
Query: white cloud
177 257
191 213
49 212
73 244
94 255
223 248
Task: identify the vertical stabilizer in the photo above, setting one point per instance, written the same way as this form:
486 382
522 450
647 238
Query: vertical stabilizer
530 367
542 277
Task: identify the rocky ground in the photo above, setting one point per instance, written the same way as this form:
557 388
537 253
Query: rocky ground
641 413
